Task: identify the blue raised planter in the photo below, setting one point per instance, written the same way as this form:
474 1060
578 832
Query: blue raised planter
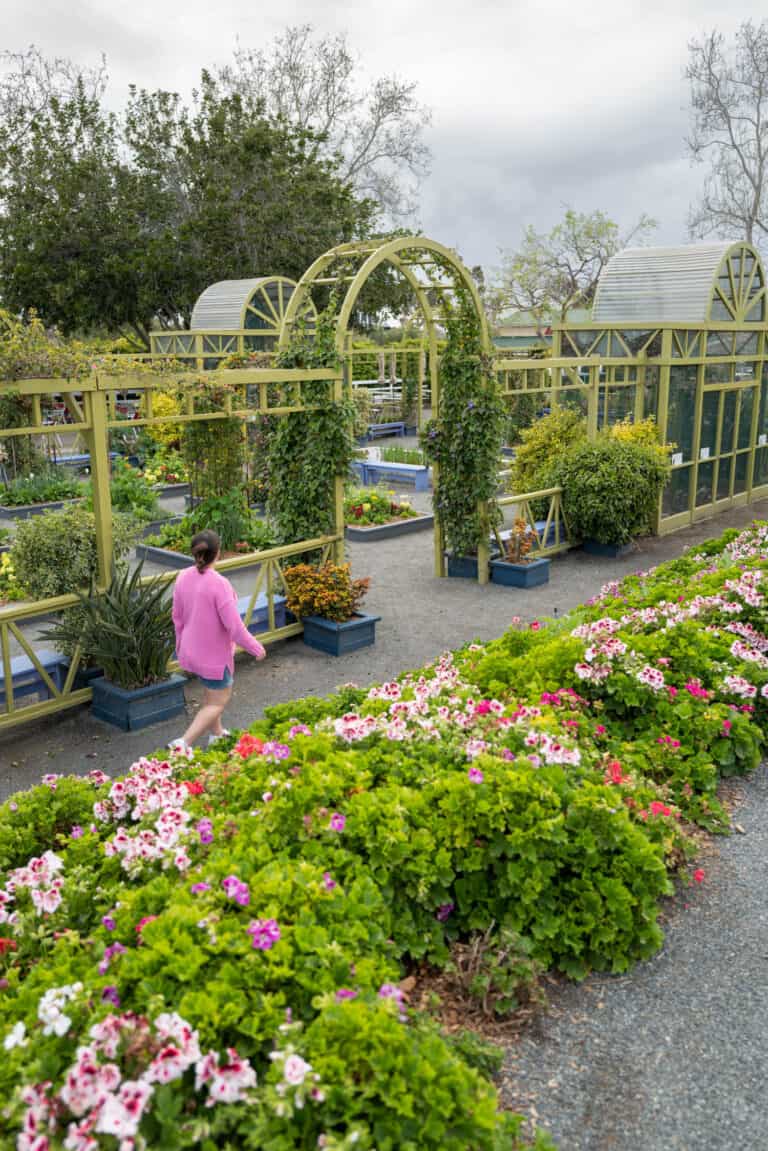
532 574
338 638
594 548
131 710
26 511
463 567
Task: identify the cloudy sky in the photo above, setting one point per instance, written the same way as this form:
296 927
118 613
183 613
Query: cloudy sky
536 104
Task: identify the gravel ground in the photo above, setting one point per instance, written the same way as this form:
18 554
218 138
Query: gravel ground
672 1055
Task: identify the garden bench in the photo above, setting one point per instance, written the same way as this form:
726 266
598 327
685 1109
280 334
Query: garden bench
27 680
417 474
396 428
260 619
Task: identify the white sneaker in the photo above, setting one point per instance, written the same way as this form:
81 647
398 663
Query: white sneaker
215 738
179 746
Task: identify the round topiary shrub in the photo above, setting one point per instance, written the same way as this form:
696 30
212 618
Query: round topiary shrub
611 489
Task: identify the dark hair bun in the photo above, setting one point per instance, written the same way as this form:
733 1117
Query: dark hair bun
205 547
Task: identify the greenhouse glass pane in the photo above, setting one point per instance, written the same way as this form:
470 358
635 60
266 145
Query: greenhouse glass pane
756 311
621 404
682 404
740 477
745 371
720 343
729 421
677 492
582 340
636 339
761 466
724 478
719 311
569 344
694 342
258 343
617 348
650 400
252 321
709 410
718 373
746 343
574 400
745 417
704 485
724 284
653 347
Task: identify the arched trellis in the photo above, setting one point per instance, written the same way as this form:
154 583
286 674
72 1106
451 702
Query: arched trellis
434 273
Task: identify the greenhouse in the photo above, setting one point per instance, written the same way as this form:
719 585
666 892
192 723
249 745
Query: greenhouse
232 317
679 334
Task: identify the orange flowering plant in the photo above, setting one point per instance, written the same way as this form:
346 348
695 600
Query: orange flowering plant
328 591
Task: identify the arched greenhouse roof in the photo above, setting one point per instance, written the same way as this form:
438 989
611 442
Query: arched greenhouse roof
722 282
232 305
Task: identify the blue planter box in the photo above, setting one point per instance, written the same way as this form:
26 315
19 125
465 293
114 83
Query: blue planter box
463 567
532 574
131 710
550 540
338 638
594 548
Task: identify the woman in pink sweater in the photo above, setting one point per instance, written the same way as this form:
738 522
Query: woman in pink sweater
208 626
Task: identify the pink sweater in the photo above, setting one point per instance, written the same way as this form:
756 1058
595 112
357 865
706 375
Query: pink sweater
208 624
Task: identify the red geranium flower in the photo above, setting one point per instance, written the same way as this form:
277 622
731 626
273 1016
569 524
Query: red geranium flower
248 745
193 786
6 944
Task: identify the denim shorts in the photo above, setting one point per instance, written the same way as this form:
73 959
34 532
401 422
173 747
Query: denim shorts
218 684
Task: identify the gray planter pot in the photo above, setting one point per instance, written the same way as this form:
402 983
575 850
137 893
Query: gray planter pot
163 556
132 710
338 638
171 489
386 531
154 526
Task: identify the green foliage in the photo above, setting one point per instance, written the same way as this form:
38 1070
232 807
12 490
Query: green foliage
611 488
542 446
238 528
55 553
131 492
520 414
465 442
364 506
48 485
308 450
213 450
127 630
395 455
361 402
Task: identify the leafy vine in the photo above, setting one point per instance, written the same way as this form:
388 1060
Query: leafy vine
465 439
307 450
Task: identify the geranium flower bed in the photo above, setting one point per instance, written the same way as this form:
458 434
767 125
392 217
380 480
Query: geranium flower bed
209 953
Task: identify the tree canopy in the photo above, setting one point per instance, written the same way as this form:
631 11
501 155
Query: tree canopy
120 220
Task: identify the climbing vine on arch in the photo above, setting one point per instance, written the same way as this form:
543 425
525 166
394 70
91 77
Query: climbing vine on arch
464 441
308 450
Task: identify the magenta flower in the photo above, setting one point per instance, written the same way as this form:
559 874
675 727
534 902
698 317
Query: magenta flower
77 832
264 933
110 995
236 890
338 821
108 922
328 881
299 729
199 888
443 912
109 954
345 993
475 775
204 829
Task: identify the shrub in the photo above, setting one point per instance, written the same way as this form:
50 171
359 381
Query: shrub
611 488
542 446
55 553
167 435
10 588
328 591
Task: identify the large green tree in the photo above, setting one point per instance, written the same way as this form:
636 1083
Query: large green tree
122 222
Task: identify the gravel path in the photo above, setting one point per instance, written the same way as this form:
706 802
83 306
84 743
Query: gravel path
672 1055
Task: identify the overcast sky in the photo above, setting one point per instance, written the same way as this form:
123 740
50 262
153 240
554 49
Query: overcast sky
536 104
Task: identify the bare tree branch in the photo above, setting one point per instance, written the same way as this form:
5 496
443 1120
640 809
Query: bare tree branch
375 128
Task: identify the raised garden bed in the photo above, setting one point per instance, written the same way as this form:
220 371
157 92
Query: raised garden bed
154 526
26 511
523 575
132 710
164 557
171 489
397 527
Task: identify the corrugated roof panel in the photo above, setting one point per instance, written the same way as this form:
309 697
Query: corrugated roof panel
655 285
220 307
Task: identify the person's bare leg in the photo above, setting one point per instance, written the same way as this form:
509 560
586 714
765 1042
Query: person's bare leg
208 719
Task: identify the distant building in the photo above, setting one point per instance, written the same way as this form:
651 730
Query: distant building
520 332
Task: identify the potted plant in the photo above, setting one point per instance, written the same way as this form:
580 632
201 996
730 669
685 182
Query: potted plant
128 632
327 599
518 568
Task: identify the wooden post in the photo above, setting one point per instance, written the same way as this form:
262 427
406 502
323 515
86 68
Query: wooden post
98 446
